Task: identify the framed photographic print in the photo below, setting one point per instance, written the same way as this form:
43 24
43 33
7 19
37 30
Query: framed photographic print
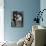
17 19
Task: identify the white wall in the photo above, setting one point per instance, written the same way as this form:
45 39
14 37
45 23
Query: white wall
43 6
1 20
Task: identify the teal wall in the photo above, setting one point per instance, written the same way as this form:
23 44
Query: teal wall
29 7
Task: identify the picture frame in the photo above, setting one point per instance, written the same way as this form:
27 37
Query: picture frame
17 19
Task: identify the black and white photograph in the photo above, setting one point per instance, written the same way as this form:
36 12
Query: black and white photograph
17 19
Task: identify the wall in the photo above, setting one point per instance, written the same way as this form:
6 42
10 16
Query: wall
43 6
1 21
29 7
